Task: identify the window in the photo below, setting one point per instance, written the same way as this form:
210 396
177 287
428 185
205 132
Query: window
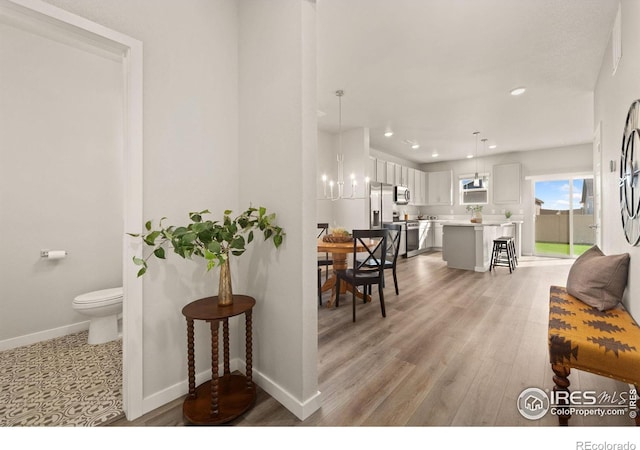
474 193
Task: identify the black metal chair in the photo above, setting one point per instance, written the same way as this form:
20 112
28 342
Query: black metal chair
368 271
323 261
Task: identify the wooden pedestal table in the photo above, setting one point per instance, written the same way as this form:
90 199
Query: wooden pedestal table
221 399
339 252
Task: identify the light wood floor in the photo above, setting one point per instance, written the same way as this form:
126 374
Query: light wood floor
456 349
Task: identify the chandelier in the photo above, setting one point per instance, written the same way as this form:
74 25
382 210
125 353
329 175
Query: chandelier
339 184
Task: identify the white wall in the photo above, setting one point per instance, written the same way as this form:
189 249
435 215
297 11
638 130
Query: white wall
193 105
326 164
61 118
190 155
278 153
613 96
562 160
349 213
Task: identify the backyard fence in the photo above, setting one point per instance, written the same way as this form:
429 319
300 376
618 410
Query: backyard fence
555 228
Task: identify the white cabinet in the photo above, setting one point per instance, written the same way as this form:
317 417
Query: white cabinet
437 235
417 181
391 173
440 188
371 170
506 183
381 171
419 188
400 175
410 184
425 187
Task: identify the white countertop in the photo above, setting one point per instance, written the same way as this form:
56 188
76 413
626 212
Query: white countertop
460 222
455 223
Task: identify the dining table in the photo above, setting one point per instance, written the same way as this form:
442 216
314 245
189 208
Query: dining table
339 252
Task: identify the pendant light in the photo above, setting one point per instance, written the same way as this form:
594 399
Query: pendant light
340 157
484 176
476 180
339 184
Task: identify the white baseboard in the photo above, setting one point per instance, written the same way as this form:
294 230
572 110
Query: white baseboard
40 336
171 393
301 410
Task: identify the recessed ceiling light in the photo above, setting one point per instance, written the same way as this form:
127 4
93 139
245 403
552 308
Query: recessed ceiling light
434 155
518 91
414 145
469 156
388 133
492 146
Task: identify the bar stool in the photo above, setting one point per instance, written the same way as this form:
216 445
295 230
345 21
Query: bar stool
503 253
514 255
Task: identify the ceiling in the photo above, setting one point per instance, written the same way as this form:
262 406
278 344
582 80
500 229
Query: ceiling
435 71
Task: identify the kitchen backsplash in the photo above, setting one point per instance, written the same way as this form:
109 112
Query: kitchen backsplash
416 212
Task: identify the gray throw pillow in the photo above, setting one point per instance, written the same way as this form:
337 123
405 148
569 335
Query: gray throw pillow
597 279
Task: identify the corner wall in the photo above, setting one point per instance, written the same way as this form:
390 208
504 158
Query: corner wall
190 157
613 96
278 152
60 181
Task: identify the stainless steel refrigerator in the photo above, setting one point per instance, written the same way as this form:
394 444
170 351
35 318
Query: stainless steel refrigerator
380 204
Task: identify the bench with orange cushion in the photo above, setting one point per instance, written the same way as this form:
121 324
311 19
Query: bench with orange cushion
582 337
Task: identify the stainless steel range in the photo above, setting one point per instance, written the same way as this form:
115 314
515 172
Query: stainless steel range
413 238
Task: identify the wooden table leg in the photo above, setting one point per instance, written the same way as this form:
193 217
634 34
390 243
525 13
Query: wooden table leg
561 381
191 363
361 295
214 368
225 396
249 358
225 343
340 263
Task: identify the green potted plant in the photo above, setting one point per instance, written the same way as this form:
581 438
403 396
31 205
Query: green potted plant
476 213
215 241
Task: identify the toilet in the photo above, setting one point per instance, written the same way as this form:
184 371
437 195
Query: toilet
103 308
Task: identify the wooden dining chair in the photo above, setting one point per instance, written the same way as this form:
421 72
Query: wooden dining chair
367 271
324 261
394 232
393 249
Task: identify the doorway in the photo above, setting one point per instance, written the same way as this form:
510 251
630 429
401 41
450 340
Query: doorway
57 24
564 215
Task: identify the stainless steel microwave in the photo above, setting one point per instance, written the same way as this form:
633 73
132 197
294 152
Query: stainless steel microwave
401 195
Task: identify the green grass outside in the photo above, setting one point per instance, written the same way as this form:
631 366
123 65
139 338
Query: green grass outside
552 248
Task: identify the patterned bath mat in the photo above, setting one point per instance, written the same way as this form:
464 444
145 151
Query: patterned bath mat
61 382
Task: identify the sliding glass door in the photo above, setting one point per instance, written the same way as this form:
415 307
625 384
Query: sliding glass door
564 216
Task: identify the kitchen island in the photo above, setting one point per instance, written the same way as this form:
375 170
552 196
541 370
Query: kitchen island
468 246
